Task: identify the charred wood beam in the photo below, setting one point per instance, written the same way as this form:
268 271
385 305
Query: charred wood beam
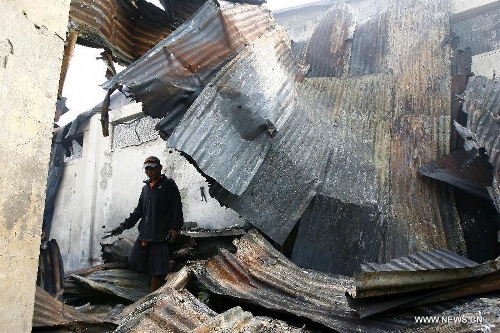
69 47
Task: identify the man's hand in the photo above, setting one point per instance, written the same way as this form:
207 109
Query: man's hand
172 235
116 231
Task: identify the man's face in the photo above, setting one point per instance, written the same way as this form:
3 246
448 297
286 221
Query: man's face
153 173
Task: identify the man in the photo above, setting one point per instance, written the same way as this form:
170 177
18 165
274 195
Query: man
160 211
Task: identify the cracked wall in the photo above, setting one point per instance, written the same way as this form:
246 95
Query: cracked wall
31 43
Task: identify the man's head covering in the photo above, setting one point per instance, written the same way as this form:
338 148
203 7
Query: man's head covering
151 161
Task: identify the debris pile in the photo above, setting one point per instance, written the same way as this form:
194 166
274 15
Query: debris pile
252 287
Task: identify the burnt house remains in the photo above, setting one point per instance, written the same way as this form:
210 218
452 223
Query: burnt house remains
353 137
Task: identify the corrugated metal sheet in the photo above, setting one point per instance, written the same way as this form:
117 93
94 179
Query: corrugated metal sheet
373 200
467 171
370 45
168 311
352 201
330 59
127 28
184 62
179 311
481 140
174 309
51 313
370 306
75 292
300 22
86 271
241 113
259 274
336 138
482 105
459 169
422 278
434 259
237 320
461 68
371 219
120 282
351 39
271 141
420 271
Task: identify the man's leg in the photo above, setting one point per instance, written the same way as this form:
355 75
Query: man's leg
138 257
158 263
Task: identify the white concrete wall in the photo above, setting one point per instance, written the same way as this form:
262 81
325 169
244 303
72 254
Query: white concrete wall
100 189
459 6
32 37
487 64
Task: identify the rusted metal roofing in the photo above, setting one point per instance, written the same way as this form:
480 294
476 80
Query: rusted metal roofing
370 306
359 43
422 278
259 274
120 282
182 63
174 309
51 313
300 22
247 119
459 169
338 149
106 279
330 59
127 28
476 168
482 106
434 259
339 136
179 311
237 320
170 310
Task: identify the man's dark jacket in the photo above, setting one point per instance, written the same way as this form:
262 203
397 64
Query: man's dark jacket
159 208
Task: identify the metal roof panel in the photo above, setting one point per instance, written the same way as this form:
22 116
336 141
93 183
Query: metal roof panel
259 274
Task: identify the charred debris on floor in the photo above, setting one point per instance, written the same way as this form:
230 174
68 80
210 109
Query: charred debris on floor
249 286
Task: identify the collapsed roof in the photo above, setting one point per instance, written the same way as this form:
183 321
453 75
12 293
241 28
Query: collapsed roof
319 144
319 141
333 140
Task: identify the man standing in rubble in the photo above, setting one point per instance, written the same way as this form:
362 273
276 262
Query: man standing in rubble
160 212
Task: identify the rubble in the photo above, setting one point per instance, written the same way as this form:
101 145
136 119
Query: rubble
231 290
